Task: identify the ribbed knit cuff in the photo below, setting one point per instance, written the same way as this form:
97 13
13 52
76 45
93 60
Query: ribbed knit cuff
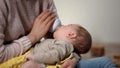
25 43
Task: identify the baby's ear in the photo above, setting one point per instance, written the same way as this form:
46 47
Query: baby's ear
71 35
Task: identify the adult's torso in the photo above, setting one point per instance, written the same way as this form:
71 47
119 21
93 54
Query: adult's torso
20 16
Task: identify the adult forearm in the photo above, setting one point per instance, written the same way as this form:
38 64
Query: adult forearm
13 49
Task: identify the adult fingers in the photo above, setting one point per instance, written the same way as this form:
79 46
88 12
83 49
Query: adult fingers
43 16
50 19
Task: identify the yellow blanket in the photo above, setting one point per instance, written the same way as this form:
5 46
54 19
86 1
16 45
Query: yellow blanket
14 62
18 61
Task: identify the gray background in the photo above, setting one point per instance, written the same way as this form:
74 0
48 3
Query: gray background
100 17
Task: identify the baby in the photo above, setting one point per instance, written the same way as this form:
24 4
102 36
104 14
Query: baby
67 40
50 53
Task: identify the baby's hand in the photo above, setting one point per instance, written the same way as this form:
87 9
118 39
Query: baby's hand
29 56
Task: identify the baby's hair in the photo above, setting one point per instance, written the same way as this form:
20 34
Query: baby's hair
84 41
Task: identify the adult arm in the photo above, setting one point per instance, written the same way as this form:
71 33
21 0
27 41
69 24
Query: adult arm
71 63
19 46
13 49
22 44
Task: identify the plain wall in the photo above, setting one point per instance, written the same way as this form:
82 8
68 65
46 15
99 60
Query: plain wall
100 17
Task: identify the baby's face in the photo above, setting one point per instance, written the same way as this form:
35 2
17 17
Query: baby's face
62 31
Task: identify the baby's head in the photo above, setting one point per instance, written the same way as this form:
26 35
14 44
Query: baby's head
77 35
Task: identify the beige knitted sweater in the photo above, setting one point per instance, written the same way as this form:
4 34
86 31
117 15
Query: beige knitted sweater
16 20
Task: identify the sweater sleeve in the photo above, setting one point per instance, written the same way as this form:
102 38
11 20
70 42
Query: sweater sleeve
13 49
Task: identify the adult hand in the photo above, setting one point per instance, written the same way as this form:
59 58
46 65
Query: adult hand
41 25
71 63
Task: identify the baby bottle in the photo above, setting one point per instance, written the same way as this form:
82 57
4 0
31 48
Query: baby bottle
56 23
